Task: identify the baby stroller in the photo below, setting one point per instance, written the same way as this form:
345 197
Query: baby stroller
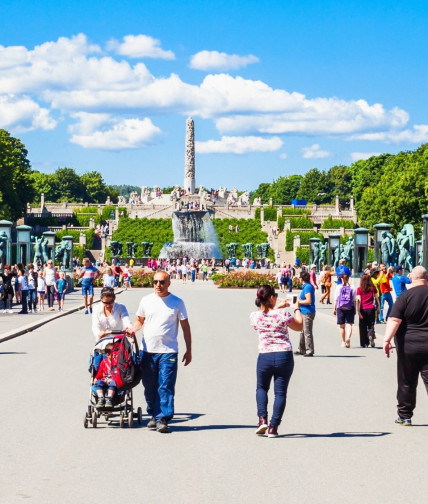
122 400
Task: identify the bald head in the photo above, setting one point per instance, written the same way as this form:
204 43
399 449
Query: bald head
418 273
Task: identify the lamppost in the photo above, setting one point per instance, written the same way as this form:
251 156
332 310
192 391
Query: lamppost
50 237
379 229
5 242
23 244
360 256
333 244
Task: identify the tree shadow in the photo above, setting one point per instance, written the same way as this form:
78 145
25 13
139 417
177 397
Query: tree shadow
13 353
186 428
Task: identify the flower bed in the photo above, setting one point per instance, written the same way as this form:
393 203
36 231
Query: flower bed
243 279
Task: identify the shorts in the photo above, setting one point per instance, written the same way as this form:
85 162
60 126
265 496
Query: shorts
61 295
87 290
345 316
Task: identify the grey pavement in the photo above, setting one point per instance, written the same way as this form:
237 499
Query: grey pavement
338 441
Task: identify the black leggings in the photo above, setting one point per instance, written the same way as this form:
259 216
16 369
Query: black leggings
50 289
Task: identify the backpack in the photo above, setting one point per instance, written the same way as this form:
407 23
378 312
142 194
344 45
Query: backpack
125 366
345 301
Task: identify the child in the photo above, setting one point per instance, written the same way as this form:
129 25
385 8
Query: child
61 288
104 381
41 289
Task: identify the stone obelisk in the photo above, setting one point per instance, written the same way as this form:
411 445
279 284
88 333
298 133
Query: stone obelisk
189 162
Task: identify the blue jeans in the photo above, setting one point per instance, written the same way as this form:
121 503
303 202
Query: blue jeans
386 296
102 385
32 299
159 374
279 366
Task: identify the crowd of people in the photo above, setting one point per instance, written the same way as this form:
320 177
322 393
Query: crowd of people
31 286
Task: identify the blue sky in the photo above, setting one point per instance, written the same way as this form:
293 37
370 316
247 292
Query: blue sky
275 87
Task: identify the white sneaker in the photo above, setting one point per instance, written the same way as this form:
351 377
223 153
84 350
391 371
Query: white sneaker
343 344
4 311
9 311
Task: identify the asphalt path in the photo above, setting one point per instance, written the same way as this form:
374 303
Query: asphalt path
338 441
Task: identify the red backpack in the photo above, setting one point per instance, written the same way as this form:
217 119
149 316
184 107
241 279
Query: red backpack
125 365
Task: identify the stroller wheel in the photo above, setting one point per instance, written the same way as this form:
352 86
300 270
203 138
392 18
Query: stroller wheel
122 420
85 421
94 419
139 416
130 419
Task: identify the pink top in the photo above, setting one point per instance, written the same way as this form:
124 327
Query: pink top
366 299
272 328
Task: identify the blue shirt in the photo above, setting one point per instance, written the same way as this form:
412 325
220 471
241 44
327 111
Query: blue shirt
399 282
342 270
61 285
307 308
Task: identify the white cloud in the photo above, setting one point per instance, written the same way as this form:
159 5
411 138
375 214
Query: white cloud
140 46
314 152
239 145
20 114
220 61
283 156
75 77
99 131
357 156
419 134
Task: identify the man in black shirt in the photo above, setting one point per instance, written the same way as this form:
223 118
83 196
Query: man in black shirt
408 323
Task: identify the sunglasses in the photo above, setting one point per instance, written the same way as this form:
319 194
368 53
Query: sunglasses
107 302
161 282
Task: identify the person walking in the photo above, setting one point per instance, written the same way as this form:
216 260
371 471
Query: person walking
88 273
161 313
275 358
344 307
327 285
306 303
367 300
408 325
313 276
399 281
50 279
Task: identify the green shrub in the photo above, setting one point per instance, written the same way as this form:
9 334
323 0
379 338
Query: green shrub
281 223
303 255
257 214
331 223
249 232
370 255
301 222
158 231
286 212
270 214
304 238
109 208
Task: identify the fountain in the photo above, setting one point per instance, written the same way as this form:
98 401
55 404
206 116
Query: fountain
194 236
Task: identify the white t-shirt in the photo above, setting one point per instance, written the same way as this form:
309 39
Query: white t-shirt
50 276
116 321
162 316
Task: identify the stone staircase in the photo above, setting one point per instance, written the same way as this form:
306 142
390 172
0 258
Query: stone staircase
277 243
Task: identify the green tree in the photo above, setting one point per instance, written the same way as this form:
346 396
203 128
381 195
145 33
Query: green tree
315 187
284 189
95 189
68 185
16 189
262 192
339 182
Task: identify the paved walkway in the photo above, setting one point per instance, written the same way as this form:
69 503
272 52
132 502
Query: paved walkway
338 442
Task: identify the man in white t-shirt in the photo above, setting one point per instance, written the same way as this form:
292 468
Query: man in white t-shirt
161 313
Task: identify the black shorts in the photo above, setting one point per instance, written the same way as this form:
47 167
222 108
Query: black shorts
345 316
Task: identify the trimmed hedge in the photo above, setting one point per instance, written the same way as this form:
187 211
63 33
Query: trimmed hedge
303 255
249 232
304 238
331 223
295 211
270 214
301 222
76 236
